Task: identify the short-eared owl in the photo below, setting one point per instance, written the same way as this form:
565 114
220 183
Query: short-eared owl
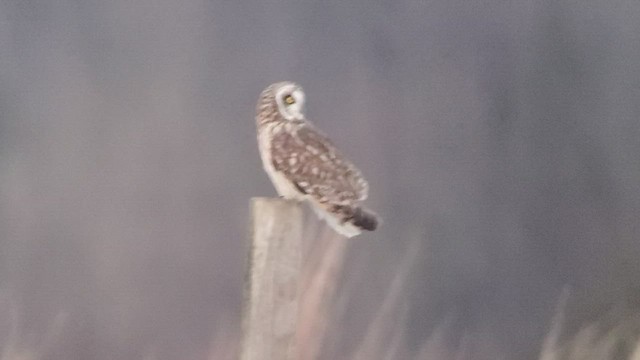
303 164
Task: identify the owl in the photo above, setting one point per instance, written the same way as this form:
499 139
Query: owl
304 165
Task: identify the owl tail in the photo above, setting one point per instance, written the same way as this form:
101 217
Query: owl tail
348 220
364 219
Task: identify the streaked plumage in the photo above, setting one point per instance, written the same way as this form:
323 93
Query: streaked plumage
303 164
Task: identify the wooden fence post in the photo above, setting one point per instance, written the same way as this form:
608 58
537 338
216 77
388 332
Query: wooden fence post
271 283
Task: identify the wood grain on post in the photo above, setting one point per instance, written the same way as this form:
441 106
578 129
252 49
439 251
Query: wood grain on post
271 284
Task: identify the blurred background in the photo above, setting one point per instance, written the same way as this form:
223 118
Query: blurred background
500 139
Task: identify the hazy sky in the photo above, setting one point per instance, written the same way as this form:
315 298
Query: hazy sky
501 137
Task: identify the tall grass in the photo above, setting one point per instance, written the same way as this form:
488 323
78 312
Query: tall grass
385 336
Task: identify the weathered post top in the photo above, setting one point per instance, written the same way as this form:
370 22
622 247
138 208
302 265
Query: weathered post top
271 284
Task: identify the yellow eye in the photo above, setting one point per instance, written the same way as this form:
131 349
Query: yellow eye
289 100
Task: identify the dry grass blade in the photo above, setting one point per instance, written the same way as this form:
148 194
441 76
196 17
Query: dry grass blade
319 286
550 344
390 318
13 349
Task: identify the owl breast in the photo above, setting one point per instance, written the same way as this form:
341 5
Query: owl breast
283 185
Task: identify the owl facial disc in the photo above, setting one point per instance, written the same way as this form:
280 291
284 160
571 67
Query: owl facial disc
290 100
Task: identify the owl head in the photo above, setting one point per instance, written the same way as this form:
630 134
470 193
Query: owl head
285 98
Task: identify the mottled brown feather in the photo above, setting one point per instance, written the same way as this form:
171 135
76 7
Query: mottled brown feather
308 158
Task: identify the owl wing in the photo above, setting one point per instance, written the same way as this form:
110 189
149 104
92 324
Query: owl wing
312 163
